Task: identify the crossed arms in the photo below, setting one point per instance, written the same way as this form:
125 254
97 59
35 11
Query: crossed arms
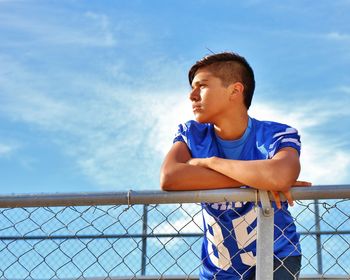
181 172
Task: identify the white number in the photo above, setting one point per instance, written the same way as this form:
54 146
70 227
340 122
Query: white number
243 238
216 239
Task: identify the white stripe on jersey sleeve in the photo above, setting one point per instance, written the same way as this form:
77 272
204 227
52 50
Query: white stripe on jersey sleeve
285 140
289 130
293 140
272 153
274 143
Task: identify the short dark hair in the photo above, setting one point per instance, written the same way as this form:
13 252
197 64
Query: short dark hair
230 68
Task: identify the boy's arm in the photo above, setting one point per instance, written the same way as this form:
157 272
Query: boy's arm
176 174
276 174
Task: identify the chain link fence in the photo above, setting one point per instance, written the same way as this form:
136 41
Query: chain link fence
156 240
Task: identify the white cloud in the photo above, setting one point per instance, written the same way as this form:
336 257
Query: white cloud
324 164
118 137
119 142
39 109
338 36
132 139
323 161
320 165
345 89
110 132
89 29
173 110
188 221
103 23
6 149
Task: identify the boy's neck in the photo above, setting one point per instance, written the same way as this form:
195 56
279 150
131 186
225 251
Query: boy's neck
232 129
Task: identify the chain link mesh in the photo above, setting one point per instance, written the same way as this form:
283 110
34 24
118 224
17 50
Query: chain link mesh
89 242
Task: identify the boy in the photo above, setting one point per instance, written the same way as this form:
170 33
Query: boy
227 148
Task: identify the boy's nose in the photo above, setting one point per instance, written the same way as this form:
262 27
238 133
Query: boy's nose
194 94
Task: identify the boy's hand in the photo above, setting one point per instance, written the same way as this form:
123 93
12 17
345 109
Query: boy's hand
288 194
198 162
302 184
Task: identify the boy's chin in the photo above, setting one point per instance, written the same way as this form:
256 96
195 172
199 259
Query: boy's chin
201 120
198 119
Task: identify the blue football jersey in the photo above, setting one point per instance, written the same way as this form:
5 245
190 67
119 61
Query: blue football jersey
229 243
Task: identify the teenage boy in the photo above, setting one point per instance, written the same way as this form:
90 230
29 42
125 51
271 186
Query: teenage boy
226 148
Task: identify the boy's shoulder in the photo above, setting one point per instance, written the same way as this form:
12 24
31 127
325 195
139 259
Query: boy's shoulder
272 127
192 132
272 136
194 126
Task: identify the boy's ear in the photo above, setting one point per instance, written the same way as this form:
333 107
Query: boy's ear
236 88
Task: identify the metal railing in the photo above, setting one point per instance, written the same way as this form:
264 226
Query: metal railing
154 234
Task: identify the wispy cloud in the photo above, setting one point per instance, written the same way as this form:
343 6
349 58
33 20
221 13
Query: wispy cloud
324 160
345 89
338 36
180 222
109 131
118 137
38 109
88 29
6 149
103 25
114 141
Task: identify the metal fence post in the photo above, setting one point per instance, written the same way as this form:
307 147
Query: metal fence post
264 250
144 240
318 238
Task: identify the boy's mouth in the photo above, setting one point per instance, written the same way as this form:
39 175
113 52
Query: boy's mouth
196 108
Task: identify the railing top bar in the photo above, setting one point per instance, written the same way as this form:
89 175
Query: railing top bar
161 197
124 198
321 192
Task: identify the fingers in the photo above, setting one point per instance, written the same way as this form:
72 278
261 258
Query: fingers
289 198
302 184
194 161
277 198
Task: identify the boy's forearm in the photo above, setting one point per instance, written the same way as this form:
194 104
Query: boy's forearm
274 175
258 174
183 176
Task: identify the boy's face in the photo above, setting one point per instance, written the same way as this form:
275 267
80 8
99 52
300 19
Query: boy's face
210 99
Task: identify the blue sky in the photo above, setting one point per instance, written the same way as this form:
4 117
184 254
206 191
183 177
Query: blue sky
91 92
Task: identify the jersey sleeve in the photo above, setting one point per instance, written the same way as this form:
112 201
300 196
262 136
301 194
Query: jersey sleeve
284 137
198 137
180 134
